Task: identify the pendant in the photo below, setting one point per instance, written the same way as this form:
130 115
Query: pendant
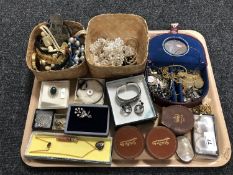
99 145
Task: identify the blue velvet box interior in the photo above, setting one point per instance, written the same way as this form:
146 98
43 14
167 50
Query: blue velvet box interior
96 122
193 59
178 90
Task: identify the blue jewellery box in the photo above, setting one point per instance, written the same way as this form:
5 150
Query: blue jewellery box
171 50
178 49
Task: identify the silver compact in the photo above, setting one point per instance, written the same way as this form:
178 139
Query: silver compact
204 137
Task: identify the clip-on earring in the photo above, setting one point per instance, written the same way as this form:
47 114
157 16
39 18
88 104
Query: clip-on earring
139 108
126 109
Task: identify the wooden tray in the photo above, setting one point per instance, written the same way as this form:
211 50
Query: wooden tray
144 160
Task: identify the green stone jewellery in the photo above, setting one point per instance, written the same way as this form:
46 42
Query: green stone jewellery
53 90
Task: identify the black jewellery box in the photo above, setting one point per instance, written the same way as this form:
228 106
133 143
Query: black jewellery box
90 120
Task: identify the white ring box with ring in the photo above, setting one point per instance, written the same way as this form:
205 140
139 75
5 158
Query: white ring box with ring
148 112
56 100
89 91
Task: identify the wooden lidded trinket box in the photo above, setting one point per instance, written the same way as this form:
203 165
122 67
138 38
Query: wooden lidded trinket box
161 142
177 118
128 142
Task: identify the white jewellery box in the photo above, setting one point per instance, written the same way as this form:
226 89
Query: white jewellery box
54 94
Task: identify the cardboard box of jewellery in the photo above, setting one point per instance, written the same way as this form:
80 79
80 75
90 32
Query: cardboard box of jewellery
177 69
130 100
66 148
130 29
79 70
90 120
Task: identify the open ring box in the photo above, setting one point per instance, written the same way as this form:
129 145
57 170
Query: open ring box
56 100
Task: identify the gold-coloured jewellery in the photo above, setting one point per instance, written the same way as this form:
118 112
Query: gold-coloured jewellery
34 61
202 109
188 80
98 146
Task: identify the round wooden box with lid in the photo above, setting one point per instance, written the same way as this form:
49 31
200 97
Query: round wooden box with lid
128 142
161 142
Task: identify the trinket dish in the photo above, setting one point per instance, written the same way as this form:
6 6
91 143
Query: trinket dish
89 91
184 149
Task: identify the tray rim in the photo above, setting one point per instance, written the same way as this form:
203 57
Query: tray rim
221 161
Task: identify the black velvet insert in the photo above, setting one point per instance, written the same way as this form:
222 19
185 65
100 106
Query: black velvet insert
98 123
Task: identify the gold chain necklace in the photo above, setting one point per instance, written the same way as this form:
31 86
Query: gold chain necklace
98 146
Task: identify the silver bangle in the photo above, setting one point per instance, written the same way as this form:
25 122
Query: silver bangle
123 101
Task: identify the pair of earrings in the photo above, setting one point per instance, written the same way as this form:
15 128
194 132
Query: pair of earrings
138 108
